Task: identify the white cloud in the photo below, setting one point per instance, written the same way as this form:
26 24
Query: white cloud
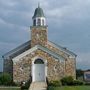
2 21
74 9
83 60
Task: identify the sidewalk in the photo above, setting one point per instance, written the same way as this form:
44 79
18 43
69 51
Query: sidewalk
38 86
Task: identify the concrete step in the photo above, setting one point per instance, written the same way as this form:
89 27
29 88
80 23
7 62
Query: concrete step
38 86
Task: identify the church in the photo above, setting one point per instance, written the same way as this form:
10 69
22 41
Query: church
39 59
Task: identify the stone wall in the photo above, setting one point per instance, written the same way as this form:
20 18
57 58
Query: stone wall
70 67
70 62
22 68
38 36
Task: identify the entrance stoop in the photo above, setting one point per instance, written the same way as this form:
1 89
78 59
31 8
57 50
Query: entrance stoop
38 86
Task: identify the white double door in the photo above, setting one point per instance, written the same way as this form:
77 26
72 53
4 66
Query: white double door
39 73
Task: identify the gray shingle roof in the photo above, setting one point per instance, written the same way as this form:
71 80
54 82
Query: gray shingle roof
20 49
26 46
38 12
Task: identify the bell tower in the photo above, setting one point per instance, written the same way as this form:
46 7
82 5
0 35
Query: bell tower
39 28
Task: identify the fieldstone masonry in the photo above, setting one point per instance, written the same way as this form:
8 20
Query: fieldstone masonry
38 36
22 68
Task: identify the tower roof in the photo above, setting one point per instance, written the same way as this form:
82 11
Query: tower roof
38 12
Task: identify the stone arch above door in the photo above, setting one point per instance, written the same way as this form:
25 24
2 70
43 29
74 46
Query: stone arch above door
38 57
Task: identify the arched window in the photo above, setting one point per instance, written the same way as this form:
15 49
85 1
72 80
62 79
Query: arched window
39 22
34 22
38 61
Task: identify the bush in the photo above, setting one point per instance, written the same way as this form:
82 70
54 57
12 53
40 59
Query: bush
79 73
67 80
87 83
26 85
5 79
78 82
0 82
14 84
54 83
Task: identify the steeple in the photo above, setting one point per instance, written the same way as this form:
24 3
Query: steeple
39 28
39 17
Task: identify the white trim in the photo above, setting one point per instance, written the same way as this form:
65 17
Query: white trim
24 54
41 18
36 57
62 49
35 48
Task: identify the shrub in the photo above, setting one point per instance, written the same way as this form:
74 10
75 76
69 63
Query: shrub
26 85
0 82
5 79
78 82
14 84
79 73
54 83
87 83
67 80
1 79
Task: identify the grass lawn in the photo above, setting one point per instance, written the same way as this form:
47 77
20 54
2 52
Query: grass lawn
53 88
70 88
9 88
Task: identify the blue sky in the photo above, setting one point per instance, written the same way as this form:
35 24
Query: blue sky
68 25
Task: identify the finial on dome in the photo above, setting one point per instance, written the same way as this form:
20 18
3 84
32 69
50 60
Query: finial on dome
38 4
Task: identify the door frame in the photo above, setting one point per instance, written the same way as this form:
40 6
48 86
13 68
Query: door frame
32 67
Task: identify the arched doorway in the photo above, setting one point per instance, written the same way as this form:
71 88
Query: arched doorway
38 71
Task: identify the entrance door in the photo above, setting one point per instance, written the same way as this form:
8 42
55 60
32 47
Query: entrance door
39 70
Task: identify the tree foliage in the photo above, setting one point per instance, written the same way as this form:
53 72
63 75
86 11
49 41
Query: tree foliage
79 73
67 80
5 79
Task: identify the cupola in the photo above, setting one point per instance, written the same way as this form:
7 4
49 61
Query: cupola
39 17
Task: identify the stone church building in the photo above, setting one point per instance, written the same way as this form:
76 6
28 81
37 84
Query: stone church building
39 59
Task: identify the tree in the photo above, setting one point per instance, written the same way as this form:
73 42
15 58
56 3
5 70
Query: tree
5 79
79 73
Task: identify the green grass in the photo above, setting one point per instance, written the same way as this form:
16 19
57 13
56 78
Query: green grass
70 88
53 88
9 88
